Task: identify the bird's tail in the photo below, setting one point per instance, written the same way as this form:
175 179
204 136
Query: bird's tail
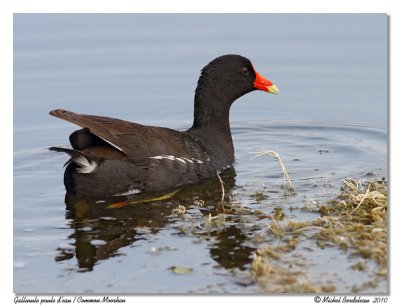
86 164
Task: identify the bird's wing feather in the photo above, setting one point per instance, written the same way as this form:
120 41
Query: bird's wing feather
136 141
108 129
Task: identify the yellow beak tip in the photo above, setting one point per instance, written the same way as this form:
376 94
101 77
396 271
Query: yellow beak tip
273 89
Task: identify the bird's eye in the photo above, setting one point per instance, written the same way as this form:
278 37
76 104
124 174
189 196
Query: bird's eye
245 71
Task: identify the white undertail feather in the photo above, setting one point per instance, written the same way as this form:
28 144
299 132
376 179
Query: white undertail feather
85 165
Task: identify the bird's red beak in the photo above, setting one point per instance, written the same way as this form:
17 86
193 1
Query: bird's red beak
262 83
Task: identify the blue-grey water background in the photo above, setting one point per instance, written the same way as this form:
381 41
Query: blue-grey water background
329 122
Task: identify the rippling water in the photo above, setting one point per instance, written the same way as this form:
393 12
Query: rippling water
328 123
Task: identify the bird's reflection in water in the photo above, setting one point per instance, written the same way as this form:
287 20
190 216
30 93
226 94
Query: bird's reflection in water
100 230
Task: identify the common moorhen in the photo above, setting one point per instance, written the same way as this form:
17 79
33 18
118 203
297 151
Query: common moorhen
116 157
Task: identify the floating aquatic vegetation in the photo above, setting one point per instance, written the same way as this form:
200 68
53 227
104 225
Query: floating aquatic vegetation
285 249
179 211
280 277
356 222
180 270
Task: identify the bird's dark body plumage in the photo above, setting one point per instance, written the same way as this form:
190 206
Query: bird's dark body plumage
112 156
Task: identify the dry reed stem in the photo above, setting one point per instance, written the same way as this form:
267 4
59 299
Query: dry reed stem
286 178
222 187
306 228
362 200
359 196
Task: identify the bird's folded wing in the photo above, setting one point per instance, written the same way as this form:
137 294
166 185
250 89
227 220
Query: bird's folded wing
112 131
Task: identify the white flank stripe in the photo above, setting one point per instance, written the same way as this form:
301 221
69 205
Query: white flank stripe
129 192
180 159
157 157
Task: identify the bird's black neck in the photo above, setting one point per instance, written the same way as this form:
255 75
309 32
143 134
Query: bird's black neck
211 117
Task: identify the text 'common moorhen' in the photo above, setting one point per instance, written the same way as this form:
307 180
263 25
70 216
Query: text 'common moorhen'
116 157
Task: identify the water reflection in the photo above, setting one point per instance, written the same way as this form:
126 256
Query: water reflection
100 231
229 250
